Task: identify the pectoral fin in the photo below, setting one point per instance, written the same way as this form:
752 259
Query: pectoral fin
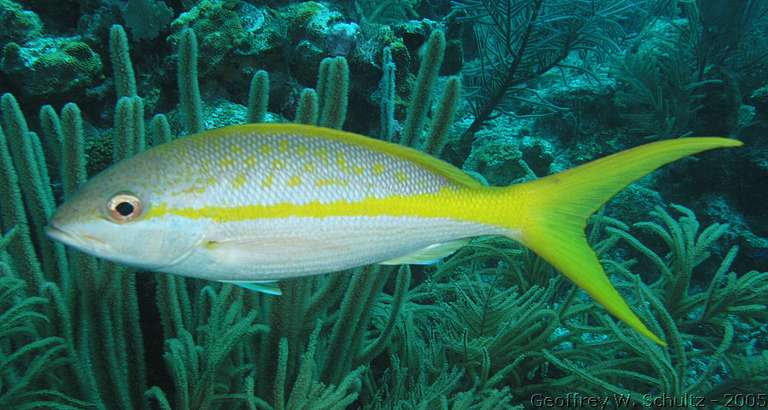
429 255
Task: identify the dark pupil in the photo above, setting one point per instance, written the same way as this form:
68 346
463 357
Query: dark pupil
124 208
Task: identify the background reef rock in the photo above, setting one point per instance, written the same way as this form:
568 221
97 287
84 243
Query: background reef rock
52 67
17 24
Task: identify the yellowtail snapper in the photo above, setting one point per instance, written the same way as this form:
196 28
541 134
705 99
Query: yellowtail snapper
253 204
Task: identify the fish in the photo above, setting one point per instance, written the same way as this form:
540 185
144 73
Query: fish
253 204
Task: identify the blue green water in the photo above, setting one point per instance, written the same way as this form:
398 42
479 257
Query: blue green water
507 90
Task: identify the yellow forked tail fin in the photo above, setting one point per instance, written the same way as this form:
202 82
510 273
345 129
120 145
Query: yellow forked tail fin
555 211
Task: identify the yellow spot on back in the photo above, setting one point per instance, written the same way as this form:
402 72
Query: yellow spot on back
401 176
378 168
267 181
322 155
357 169
194 189
278 164
341 161
250 161
283 147
309 167
198 186
322 137
237 150
294 181
301 150
321 182
239 181
227 161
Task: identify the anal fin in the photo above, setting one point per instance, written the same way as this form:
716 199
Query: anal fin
429 255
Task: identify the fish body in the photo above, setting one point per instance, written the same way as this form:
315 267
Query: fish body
266 202
303 202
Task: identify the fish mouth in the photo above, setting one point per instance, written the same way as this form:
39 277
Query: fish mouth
99 248
78 241
56 233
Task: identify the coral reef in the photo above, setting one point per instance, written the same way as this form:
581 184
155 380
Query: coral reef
51 68
510 90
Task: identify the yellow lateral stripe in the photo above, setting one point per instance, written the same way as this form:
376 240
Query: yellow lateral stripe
436 165
465 205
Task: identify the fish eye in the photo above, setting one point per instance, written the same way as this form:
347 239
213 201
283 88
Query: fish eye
124 207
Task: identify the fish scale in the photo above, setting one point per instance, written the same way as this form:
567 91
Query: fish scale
338 171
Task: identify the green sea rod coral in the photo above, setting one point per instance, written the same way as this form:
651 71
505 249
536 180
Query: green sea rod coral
189 88
258 97
307 110
425 84
73 284
333 92
160 130
420 100
122 67
387 95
